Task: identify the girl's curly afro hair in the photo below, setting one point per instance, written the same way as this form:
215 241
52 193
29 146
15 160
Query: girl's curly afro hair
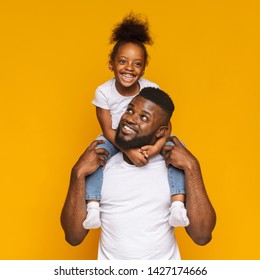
134 28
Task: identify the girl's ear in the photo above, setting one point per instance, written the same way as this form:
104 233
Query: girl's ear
110 66
161 131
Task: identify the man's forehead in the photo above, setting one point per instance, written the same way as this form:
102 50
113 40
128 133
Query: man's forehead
144 104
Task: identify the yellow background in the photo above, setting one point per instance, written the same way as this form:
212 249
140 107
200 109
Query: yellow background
53 54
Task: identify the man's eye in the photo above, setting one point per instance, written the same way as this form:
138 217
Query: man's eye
144 118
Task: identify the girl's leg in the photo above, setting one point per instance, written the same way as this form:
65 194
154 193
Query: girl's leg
178 214
93 189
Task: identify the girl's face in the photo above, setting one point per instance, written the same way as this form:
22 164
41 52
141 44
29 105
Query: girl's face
128 67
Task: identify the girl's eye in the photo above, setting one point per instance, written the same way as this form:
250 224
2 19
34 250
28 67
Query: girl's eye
122 61
130 111
138 64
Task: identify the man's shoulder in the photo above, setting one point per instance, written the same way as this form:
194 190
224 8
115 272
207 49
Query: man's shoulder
158 159
118 161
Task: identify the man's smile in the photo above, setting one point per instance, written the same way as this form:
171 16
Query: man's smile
128 129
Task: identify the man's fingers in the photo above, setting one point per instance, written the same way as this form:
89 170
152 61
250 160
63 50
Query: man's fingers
167 158
102 160
166 149
174 139
102 151
94 144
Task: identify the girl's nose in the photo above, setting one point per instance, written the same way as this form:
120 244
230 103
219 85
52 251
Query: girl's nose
129 67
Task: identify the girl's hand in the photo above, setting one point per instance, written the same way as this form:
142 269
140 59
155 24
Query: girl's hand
136 157
149 151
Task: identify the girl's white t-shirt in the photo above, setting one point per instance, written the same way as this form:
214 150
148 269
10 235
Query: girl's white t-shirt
107 97
135 211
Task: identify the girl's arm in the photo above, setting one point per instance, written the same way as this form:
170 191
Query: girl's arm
152 150
105 121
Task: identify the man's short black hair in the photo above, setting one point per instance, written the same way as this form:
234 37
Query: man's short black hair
160 98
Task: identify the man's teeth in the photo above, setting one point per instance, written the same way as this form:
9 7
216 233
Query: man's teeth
128 128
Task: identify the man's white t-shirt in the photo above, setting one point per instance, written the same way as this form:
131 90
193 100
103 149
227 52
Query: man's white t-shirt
135 211
107 97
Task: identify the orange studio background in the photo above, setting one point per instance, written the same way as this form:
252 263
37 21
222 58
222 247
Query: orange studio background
53 54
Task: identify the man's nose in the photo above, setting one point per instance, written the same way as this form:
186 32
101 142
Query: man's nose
131 118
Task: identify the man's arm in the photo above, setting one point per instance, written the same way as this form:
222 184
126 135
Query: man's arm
201 213
74 210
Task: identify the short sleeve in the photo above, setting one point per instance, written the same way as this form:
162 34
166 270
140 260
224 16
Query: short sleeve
100 99
146 83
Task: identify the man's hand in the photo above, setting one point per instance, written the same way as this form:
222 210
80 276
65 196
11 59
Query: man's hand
90 160
178 155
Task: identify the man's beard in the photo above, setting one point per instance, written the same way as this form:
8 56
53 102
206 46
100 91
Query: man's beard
136 142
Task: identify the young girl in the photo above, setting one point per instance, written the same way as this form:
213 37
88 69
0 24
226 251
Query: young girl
128 60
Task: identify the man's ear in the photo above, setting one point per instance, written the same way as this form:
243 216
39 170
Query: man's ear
161 131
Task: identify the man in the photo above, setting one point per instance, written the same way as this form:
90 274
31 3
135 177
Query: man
135 200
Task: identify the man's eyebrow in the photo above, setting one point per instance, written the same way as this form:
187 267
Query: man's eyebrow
143 110
130 105
147 112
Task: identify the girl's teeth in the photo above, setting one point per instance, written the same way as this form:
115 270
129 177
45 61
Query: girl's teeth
128 76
